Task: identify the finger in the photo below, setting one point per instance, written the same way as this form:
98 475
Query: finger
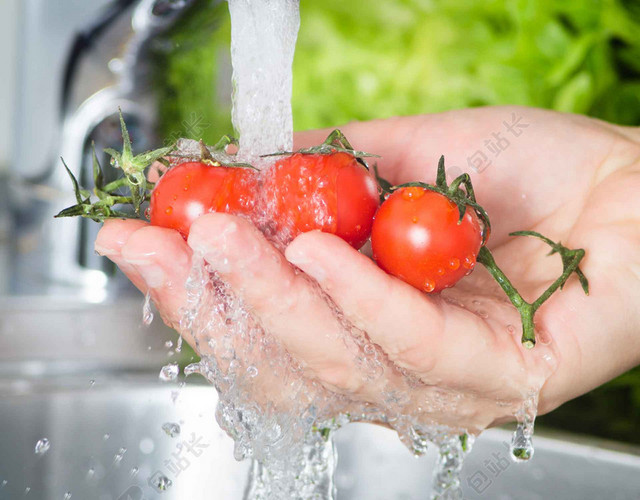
442 343
162 259
371 299
113 235
287 304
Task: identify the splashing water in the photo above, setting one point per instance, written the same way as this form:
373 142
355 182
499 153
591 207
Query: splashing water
263 38
147 313
169 373
171 429
160 482
119 456
521 443
288 436
42 446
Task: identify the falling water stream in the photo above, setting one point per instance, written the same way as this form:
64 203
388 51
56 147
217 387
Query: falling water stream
287 433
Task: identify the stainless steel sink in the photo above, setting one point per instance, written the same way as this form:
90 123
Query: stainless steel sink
107 443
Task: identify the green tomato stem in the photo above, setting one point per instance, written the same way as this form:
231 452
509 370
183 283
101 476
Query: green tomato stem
570 261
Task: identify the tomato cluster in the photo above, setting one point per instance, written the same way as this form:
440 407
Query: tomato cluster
333 193
418 234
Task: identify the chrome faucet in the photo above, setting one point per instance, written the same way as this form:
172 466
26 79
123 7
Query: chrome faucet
60 257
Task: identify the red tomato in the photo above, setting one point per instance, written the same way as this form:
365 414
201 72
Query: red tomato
330 192
416 237
191 189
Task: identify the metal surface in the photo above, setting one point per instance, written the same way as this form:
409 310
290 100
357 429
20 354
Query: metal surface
89 425
96 58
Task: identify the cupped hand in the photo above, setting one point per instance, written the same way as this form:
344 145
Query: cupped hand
571 178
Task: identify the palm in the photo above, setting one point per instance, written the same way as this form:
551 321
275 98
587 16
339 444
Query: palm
564 176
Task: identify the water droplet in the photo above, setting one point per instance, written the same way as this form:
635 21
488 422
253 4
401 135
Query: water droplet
160 482
42 446
252 371
27 490
147 314
454 263
106 437
186 187
179 345
412 193
171 429
168 344
469 262
482 313
169 372
134 471
543 337
521 445
429 286
91 472
67 496
440 271
192 368
168 210
414 219
369 349
92 383
3 483
511 329
119 456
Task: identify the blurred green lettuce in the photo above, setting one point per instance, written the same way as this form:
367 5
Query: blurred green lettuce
360 60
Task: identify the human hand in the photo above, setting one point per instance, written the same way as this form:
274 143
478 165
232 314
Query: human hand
572 178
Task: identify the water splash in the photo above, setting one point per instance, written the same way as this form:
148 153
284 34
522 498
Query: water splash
119 456
171 429
169 372
42 446
160 482
147 313
263 38
521 443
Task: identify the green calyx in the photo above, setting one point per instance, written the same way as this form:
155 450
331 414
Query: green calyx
111 194
463 198
106 200
336 142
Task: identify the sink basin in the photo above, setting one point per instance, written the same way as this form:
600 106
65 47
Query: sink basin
107 443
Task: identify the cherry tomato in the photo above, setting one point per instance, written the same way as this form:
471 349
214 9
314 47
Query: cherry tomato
191 189
330 192
416 237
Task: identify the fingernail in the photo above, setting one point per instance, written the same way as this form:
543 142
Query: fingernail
104 251
310 266
153 275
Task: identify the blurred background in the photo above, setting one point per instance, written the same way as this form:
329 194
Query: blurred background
67 65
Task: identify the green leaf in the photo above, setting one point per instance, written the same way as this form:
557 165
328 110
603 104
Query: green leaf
98 178
441 177
76 187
